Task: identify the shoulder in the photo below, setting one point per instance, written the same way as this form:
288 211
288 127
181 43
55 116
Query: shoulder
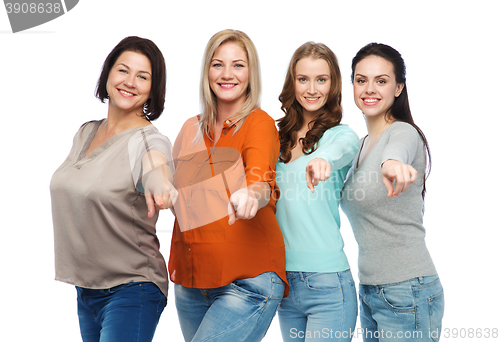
258 115
88 127
402 127
91 124
192 121
403 131
152 133
341 128
190 127
336 131
259 120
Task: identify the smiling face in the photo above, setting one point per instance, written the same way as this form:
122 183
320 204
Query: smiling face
129 82
229 74
312 84
375 86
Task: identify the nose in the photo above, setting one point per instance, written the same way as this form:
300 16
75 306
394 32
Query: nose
312 88
129 81
370 88
227 73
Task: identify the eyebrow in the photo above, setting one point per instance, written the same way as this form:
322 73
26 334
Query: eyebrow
140 71
323 75
375 76
235 60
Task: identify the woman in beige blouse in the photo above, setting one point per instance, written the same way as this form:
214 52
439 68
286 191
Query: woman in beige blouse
105 201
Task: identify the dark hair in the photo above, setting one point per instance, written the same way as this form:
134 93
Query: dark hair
330 114
156 103
400 109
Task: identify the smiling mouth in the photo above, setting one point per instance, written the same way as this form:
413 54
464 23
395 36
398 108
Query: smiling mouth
311 99
126 93
371 101
227 85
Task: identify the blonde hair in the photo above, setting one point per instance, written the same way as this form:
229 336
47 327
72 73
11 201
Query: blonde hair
207 97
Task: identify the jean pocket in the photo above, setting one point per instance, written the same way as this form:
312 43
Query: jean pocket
259 289
436 311
327 282
399 297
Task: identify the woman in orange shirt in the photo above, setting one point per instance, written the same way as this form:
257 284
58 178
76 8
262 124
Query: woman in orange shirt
227 256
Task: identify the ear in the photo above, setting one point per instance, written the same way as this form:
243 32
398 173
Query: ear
399 89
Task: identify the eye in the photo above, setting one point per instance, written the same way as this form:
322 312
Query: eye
321 80
301 79
122 71
239 65
216 65
360 81
143 77
381 81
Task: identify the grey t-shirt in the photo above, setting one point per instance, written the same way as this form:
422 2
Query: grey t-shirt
389 231
102 234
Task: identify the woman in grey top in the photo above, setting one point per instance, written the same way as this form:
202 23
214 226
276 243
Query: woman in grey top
401 297
104 201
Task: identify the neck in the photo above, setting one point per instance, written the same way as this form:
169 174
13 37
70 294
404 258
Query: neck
226 110
377 125
119 120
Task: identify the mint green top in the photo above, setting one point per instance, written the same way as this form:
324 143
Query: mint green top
310 222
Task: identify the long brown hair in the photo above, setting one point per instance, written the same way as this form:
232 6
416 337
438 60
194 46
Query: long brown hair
330 114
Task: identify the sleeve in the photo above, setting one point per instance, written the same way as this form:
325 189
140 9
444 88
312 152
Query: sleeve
261 150
340 146
149 146
402 143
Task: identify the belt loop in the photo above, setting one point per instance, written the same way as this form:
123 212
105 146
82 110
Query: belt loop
301 276
421 280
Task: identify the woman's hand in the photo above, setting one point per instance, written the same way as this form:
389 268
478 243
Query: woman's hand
158 191
157 181
161 200
245 202
317 170
403 174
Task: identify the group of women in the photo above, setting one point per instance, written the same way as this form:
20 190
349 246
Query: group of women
256 209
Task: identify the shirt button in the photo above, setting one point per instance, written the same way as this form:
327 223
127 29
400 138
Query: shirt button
189 227
228 122
188 205
189 249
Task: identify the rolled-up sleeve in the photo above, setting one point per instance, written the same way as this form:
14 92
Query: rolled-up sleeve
261 151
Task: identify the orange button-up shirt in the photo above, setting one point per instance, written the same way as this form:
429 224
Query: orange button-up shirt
207 252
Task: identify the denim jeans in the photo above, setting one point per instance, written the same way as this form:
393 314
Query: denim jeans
240 311
320 307
407 311
125 313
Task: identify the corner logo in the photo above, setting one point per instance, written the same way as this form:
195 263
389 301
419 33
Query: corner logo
25 14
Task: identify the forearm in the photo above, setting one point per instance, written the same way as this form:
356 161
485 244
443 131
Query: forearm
262 192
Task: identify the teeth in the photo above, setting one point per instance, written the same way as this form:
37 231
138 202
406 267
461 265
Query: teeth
126 93
371 100
312 98
227 85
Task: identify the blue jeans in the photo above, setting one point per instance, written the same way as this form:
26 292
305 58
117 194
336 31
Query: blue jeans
411 310
320 307
128 312
240 311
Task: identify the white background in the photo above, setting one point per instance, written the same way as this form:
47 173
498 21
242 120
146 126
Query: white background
48 76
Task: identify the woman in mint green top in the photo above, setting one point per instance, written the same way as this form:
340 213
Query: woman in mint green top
316 153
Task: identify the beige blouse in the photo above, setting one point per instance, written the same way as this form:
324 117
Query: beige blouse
102 234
